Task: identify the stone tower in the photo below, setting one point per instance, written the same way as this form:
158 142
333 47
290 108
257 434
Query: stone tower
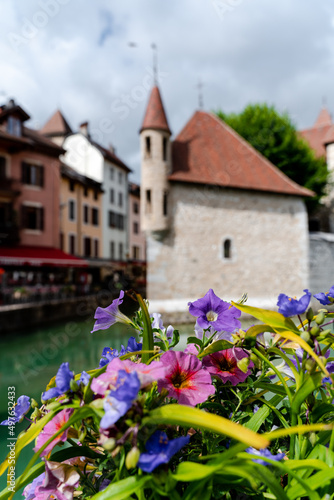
156 162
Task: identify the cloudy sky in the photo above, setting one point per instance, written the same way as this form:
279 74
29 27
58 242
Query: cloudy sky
93 60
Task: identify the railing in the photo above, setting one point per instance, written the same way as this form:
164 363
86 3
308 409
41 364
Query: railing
10 186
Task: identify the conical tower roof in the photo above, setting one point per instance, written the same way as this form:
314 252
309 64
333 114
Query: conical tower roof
57 125
324 118
155 116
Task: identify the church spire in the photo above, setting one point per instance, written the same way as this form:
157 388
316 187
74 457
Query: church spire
155 116
324 118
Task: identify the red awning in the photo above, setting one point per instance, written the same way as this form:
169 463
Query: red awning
39 256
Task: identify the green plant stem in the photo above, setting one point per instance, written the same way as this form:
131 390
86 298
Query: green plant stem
331 442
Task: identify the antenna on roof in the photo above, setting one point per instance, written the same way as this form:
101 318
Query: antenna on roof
200 93
155 62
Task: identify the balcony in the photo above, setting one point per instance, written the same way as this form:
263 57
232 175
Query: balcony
9 187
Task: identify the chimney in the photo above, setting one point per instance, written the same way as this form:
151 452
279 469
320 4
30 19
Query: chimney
83 128
112 149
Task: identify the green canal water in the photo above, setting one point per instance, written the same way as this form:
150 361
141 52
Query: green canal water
30 358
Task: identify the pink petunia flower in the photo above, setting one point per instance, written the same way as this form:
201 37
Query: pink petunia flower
186 379
224 364
146 374
60 481
50 429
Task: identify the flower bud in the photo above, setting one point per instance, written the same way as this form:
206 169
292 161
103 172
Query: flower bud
320 318
73 385
109 444
315 330
310 364
305 336
243 364
132 458
310 314
82 434
34 403
313 438
256 360
36 414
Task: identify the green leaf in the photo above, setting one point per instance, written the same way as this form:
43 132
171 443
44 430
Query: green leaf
220 345
318 480
175 339
148 344
192 471
311 383
272 482
255 422
274 388
34 472
123 489
175 414
321 410
255 330
271 318
194 340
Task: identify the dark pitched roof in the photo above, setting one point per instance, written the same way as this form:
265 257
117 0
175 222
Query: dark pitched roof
57 125
31 140
320 134
70 173
110 156
11 108
155 116
208 151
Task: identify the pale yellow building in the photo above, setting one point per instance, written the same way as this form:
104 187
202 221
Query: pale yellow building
80 214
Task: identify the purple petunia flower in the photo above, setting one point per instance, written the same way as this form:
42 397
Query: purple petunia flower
264 453
60 481
109 354
291 306
117 403
20 409
160 450
211 311
29 490
324 298
63 380
108 316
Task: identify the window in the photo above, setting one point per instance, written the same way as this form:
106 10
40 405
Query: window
135 207
33 217
87 246
85 192
86 214
96 195
112 219
112 249
96 248
120 221
14 126
135 228
120 246
71 210
164 148
112 196
164 203
32 174
120 199
95 216
2 167
227 249
116 220
72 185
71 244
120 177
61 241
135 252
148 201
148 146
111 173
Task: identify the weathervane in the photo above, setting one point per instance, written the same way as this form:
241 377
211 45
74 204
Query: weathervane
155 59
200 93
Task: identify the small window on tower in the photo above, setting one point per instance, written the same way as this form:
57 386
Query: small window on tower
164 148
148 146
148 201
165 205
227 249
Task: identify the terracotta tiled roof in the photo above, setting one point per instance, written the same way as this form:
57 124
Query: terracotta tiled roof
320 134
155 116
207 151
57 125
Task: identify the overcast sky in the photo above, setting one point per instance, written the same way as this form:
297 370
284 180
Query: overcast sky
75 55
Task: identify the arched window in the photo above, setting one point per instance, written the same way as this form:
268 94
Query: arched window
147 146
227 249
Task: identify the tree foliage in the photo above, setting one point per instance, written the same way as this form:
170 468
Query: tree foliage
275 136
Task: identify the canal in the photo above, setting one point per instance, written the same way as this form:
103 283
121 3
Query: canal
30 358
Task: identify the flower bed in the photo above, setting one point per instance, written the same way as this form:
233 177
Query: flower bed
238 414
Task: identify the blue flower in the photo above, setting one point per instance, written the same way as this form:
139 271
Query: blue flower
118 402
84 378
291 306
108 316
160 450
29 490
210 310
324 298
63 380
20 409
264 453
109 354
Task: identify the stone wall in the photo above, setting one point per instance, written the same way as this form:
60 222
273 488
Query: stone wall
269 248
321 262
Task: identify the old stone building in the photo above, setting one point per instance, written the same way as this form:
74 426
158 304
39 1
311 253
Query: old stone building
217 215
